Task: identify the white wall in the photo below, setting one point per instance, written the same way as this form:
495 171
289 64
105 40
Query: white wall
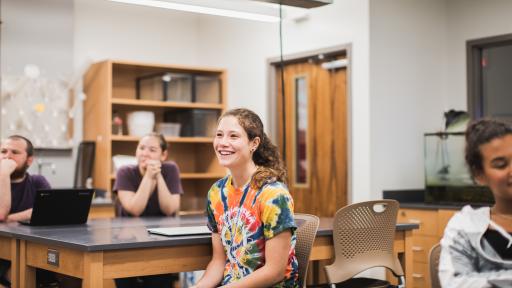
64 37
418 71
108 30
105 29
468 20
37 32
40 33
407 72
244 48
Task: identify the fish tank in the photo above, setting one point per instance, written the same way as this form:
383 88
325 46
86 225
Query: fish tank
447 178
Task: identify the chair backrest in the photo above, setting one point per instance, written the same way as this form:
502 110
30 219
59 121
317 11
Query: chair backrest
363 235
84 163
305 234
433 257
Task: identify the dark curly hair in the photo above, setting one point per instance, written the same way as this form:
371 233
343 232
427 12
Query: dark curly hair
480 132
266 157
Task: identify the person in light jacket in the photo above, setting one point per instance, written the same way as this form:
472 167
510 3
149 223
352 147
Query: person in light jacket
476 249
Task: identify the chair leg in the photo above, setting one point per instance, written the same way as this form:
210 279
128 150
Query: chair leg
401 282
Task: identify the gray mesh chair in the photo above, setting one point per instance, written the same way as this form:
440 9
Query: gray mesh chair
363 235
433 257
305 234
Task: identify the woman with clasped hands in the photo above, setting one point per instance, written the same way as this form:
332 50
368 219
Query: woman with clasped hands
150 188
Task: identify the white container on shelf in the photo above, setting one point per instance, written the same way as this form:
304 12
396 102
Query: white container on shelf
140 123
169 129
119 161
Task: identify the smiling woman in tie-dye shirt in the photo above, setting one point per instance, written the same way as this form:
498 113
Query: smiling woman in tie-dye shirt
250 211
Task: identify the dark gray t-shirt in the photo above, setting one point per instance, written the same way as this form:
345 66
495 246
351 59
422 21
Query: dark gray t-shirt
24 193
129 178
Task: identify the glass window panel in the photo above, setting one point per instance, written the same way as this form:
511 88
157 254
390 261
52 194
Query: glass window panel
301 131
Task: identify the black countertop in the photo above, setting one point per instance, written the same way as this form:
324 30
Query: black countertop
109 234
125 233
415 199
422 205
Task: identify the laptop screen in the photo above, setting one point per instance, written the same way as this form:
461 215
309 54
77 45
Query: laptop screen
61 206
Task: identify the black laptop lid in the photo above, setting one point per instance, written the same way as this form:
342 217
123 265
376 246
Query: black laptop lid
61 206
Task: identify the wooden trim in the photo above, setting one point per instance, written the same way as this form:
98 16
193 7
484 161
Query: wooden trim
27 273
177 68
126 263
102 211
201 175
97 113
5 248
70 261
192 176
165 104
93 270
323 248
15 259
443 217
337 50
126 138
408 259
399 242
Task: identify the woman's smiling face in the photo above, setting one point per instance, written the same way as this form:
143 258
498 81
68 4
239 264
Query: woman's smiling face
497 167
232 145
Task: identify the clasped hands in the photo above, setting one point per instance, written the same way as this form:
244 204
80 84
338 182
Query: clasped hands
153 168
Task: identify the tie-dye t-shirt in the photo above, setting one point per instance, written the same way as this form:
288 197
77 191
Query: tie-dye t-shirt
264 213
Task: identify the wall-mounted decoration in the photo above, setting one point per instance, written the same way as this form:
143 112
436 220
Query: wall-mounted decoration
41 109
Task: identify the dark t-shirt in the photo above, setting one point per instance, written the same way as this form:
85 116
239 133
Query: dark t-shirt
129 178
24 193
499 243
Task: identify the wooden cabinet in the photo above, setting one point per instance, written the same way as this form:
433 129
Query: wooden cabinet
111 87
432 223
102 211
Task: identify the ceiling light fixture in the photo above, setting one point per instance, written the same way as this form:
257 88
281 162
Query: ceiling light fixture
202 9
299 3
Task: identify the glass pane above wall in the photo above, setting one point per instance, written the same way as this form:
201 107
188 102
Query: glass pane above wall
301 132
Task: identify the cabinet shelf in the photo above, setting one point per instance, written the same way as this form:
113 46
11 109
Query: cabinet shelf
126 138
164 104
191 176
112 91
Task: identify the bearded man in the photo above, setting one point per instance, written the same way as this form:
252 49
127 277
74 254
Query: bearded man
17 187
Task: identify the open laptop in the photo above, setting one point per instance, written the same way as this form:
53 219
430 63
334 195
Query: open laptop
181 231
60 207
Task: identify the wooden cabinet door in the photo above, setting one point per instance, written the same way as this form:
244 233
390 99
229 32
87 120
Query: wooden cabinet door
443 217
315 128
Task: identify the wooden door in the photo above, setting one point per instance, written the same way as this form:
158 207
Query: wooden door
316 135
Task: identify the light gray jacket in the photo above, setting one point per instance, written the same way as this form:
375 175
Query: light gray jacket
467 260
